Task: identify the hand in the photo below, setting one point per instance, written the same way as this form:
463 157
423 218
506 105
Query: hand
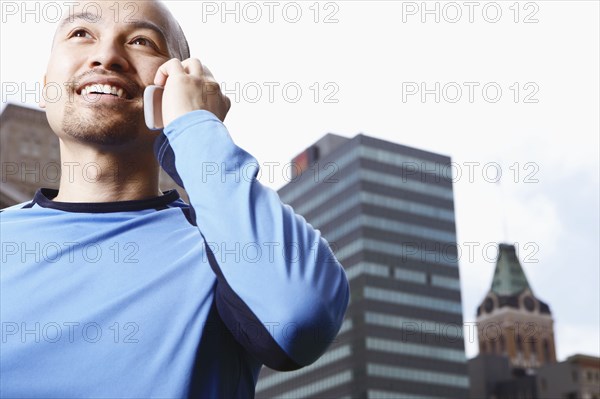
189 86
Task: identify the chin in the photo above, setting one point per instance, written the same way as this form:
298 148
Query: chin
106 126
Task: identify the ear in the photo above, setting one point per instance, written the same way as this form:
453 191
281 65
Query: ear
42 102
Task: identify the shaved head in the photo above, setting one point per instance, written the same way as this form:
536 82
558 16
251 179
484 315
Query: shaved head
179 42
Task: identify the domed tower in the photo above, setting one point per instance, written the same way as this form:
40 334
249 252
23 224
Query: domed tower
511 320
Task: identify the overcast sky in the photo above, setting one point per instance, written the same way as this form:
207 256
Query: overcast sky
518 94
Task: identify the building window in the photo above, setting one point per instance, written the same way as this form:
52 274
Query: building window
547 351
447 331
519 358
411 349
422 376
276 379
24 148
445 282
532 348
421 301
532 352
410 275
502 344
519 343
316 387
372 269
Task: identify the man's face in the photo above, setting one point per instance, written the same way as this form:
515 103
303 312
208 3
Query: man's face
103 61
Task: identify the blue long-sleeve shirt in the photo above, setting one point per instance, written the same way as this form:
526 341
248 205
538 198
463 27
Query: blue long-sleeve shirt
158 298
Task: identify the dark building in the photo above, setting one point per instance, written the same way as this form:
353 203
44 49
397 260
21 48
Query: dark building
29 154
576 377
485 372
492 377
387 210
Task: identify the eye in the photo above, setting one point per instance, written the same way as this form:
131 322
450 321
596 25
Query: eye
142 41
81 33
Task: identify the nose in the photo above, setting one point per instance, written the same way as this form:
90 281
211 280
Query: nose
110 56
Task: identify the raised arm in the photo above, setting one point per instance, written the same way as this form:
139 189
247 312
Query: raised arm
280 289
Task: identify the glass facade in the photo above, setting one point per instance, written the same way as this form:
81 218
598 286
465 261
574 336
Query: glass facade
377 394
422 301
440 254
428 377
406 348
314 388
444 331
388 214
390 226
327 358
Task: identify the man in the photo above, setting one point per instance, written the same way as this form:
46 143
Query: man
110 288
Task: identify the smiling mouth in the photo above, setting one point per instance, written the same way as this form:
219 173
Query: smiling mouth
105 89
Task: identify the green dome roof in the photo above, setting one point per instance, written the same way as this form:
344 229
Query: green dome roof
509 277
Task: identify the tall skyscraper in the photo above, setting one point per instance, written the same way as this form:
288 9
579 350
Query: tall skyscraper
387 210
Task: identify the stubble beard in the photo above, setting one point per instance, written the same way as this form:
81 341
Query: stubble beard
107 125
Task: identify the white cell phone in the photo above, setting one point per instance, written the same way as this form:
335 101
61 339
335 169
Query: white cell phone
153 107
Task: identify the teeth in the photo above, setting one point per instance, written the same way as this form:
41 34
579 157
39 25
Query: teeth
105 89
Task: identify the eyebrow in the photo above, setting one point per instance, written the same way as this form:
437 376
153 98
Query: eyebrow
93 18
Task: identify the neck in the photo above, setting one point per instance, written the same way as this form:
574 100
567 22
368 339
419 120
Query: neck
97 175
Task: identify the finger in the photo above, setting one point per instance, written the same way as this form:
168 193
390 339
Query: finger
169 68
193 66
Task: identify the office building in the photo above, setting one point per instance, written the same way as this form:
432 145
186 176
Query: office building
29 155
576 377
387 211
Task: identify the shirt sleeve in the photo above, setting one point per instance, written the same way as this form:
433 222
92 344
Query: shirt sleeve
280 290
